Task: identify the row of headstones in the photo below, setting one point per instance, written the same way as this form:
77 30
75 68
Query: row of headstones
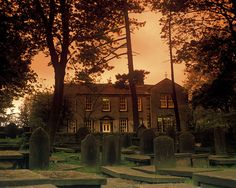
186 142
39 150
164 152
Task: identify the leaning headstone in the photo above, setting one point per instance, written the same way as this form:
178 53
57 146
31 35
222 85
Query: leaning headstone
219 141
164 155
146 141
81 134
89 151
39 149
186 142
111 151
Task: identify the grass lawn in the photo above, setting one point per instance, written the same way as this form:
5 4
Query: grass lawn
75 159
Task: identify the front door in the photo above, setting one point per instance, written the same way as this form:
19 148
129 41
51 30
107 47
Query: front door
106 127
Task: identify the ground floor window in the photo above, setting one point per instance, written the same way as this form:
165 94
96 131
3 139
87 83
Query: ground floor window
163 123
72 126
89 123
123 125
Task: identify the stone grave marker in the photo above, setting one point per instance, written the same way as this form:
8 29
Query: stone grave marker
90 151
186 142
140 130
81 134
111 152
164 153
219 141
146 141
125 140
39 149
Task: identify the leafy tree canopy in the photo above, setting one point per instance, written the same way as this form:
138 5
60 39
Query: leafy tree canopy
204 38
15 73
138 76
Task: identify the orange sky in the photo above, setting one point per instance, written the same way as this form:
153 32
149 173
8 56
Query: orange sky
153 56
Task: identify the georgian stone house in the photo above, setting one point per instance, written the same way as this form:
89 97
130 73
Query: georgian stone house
105 108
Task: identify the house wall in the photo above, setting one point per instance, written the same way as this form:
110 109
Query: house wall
165 87
150 107
77 104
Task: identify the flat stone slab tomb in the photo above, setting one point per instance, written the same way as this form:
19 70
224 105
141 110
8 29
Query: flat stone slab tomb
222 161
169 185
35 186
177 171
73 179
21 178
215 179
63 179
139 159
131 174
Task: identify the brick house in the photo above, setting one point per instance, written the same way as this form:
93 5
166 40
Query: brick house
105 108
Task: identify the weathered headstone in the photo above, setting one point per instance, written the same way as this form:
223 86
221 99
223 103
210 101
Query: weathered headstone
81 134
39 149
186 142
140 130
90 151
219 141
164 155
126 140
111 152
146 141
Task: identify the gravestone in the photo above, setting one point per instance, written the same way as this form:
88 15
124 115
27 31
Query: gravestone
39 149
81 134
140 130
164 154
219 141
186 142
146 141
126 140
89 151
111 151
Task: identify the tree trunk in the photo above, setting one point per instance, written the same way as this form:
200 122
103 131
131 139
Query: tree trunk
131 70
56 109
174 97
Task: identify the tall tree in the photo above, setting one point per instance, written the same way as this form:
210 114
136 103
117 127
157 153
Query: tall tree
174 96
81 33
204 38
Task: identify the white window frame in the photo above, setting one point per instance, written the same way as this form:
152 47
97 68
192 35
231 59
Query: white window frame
106 104
123 125
123 104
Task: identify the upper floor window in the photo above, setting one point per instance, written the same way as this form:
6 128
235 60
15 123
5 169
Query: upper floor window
88 103
166 101
123 104
106 104
123 125
140 105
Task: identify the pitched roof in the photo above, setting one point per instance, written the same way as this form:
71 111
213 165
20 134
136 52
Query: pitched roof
110 89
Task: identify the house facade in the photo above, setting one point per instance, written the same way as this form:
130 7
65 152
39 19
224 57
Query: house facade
106 108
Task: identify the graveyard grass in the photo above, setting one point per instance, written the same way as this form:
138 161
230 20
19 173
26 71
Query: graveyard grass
75 159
